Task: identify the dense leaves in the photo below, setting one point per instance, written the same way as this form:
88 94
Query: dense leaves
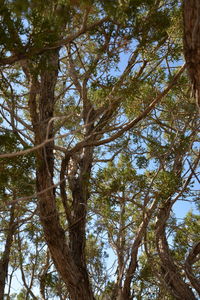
99 152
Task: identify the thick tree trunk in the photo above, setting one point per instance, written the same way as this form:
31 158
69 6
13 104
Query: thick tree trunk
191 18
68 259
6 253
79 185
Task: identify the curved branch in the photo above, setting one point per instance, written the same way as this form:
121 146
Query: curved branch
192 257
170 272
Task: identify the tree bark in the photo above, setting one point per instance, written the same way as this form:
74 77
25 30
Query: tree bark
68 259
173 280
194 255
191 39
6 253
125 292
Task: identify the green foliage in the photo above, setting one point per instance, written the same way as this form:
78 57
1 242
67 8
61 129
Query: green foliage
15 174
107 77
22 295
167 183
186 234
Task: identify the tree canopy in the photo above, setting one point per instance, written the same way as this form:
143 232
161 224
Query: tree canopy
99 151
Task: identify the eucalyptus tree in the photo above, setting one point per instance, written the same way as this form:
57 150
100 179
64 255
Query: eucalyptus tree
82 82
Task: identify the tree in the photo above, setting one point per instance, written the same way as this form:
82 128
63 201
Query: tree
70 102
191 15
16 180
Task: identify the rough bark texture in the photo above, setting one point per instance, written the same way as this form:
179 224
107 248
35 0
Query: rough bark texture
68 259
6 253
173 280
191 17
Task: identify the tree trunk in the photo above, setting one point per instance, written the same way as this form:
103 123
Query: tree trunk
173 280
67 258
6 253
191 18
